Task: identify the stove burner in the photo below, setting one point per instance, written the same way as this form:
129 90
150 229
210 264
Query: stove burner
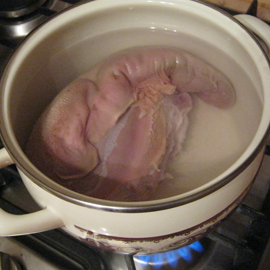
19 8
183 258
19 17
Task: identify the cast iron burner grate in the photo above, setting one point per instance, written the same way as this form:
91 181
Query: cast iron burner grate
19 18
247 251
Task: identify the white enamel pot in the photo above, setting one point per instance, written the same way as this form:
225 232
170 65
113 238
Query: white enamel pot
69 44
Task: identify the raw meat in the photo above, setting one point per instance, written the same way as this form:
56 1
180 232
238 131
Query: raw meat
110 133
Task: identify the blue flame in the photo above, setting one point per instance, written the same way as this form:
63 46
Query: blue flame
170 257
185 253
197 246
158 259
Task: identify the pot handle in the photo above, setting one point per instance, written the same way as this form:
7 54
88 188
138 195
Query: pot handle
42 220
5 159
257 26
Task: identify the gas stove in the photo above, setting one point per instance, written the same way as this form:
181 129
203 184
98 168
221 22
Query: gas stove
240 242
18 18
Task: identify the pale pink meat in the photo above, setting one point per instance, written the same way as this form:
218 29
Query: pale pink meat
111 132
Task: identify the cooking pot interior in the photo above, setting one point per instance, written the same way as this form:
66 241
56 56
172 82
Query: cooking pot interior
74 41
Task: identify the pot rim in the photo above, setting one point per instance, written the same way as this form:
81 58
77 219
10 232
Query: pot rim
27 168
